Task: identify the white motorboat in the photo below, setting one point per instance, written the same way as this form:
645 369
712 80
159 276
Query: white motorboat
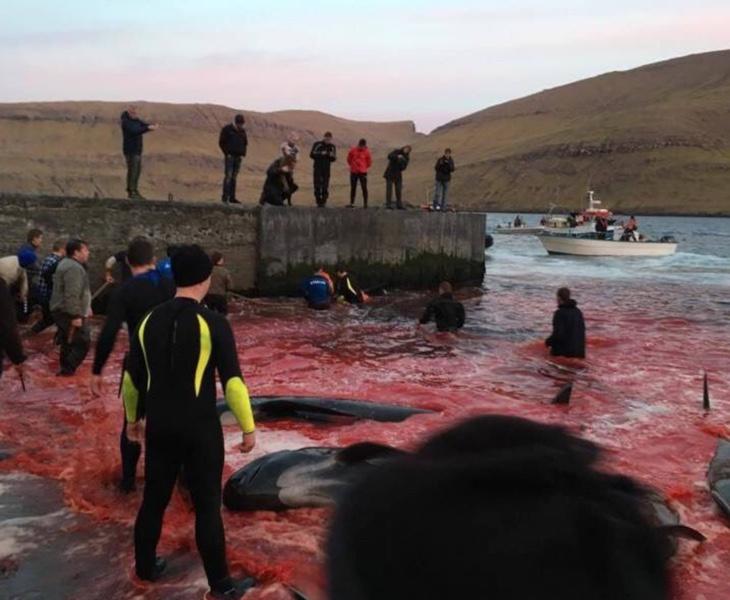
591 245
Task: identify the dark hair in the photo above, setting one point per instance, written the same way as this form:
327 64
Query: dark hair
328 134
33 234
172 248
58 245
445 288
496 507
447 150
564 294
140 252
215 257
240 118
73 246
403 149
362 143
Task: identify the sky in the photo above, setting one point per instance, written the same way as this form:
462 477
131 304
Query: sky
426 61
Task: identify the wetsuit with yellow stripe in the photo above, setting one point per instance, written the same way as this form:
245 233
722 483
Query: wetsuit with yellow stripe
170 380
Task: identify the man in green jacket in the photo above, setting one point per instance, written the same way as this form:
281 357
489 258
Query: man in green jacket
71 305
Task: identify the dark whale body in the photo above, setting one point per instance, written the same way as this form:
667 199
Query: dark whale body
718 476
328 410
299 478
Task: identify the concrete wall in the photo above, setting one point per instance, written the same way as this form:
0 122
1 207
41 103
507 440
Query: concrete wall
382 247
108 225
268 249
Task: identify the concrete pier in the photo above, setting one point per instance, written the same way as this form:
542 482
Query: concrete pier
268 249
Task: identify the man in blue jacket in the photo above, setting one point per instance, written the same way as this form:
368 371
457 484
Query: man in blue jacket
318 290
133 128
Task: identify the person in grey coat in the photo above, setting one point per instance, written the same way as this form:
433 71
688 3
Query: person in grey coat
71 305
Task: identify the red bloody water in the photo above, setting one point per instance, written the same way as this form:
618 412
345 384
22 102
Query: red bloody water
638 394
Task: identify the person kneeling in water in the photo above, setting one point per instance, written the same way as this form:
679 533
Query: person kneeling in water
346 289
318 290
447 312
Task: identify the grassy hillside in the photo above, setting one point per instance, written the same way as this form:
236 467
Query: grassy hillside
655 138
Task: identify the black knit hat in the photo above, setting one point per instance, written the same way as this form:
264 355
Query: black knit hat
190 266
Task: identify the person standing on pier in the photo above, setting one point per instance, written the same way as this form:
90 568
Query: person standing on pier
444 168
323 153
359 160
397 163
233 142
133 128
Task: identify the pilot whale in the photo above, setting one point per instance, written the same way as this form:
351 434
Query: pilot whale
297 478
312 408
718 476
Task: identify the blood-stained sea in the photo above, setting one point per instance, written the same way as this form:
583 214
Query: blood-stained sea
655 326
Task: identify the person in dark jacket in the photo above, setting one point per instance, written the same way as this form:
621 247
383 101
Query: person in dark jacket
569 330
323 154
447 312
278 185
10 343
221 283
138 295
444 168
45 285
133 128
318 290
359 159
233 143
397 163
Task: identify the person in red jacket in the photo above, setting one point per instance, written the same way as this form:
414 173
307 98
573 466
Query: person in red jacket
359 160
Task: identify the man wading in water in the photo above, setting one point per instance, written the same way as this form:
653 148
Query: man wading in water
170 381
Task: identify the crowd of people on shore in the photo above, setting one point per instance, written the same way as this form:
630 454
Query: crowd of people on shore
279 186
179 338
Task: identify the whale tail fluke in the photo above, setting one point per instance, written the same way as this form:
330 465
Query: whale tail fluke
706 395
563 396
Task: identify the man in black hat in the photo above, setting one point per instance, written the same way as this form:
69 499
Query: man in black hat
233 143
170 381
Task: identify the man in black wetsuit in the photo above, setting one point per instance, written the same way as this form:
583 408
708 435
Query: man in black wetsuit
170 381
569 329
129 304
346 289
323 153
447 312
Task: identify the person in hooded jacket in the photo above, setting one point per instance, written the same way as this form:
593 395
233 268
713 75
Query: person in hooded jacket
397 163
448 313
569 330
359 160
133 128
279 185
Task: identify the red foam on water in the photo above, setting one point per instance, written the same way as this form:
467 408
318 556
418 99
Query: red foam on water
638 394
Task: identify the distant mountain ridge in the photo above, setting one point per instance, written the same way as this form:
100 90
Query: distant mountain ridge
652 139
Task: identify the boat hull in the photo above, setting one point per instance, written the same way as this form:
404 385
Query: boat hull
519 230
582 247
